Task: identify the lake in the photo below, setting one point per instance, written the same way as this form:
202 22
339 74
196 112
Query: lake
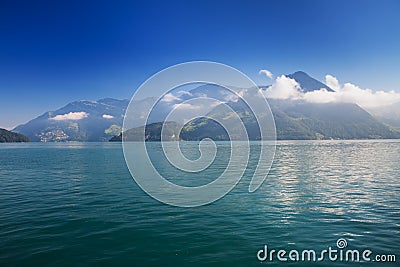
75 204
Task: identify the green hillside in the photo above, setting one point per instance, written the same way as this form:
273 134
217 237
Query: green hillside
10 137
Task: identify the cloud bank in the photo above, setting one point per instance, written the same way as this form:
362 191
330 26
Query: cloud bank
284 88
170 98
287 88
71 116
185 106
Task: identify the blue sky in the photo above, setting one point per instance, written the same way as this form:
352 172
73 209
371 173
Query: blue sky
55 52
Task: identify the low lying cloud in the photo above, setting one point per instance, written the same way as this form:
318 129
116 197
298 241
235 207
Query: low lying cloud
332 82
170 98
351 93
71 116
229 96
287 88
106 116
185 106
183 92
284 88
266 73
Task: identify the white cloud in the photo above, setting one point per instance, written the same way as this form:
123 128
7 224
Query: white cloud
283 88
267 73
286 88
233 96
185 106
351 93
71 116
183 92
170 98
106 116
332 82
320 96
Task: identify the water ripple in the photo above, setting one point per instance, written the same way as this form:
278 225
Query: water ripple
76 204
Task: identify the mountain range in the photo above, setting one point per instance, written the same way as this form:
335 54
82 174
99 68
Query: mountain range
78 121
295 119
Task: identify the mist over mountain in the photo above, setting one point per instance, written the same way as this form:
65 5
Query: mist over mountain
294 118
389 114
303 120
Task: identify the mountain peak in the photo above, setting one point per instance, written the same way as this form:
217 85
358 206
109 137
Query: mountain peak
299 72
308 83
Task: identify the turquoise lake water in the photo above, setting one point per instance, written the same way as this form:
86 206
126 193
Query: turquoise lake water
75 204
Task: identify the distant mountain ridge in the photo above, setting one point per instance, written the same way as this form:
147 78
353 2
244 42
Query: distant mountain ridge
295 120
102 120
303 120
82 120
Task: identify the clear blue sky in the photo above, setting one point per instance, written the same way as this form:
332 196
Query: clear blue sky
55 52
